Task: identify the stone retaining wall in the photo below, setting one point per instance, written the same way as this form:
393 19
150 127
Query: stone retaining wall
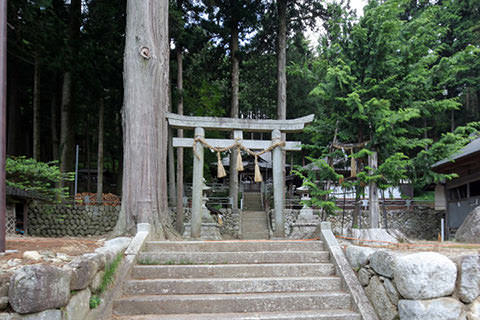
230 221
418 223
46 292
69 220
418 286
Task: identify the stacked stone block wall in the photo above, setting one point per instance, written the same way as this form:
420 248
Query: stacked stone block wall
42 291
417 223
418 286
230 226
71 220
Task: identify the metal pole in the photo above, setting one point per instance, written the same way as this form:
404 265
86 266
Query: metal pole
76 172
3 119
442 226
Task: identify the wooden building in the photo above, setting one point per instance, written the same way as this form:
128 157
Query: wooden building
17 209
461 195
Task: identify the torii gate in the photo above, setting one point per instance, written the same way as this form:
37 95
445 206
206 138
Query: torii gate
276 127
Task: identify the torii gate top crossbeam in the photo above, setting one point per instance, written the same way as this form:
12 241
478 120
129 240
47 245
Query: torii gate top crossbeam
228 124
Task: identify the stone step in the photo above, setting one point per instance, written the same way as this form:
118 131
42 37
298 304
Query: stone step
232 271
252 195
233 285
254 222
254 227
262 235
294 315
253 214
252 206
233 246
254 218
222 303
233 257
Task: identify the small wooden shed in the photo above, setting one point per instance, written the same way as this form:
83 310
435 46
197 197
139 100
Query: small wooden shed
17 209
461 195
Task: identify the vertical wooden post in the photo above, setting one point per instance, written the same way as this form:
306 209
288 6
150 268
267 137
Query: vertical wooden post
374 207
197 186
278 185
3 120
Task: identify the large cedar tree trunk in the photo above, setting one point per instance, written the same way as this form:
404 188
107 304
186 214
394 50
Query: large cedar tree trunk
13 112
36 109
101 111
282 60
53 126
172 195
146 59
282 71
234 112
180 213
67 132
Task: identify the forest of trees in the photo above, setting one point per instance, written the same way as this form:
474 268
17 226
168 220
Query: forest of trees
404 77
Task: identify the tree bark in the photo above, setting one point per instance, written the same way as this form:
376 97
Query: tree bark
282 60
12 137
118 131
146 64
180 212
373 205
53 126
356 223
172 195
66 134
36 109
66 125
87 154
235 82
282 73
101 111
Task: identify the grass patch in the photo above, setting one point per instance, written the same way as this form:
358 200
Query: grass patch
107 280
94 301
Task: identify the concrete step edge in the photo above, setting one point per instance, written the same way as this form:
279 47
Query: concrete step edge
337 314
243 302
278 270
231 285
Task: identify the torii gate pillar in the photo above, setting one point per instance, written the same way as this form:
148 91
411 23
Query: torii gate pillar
278 186
197 185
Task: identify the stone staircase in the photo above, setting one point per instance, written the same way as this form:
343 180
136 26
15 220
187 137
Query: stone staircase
254 218
234 280
252 201
254 225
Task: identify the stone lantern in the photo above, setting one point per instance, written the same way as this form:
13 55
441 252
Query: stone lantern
306 213
210 229
206 217
306 223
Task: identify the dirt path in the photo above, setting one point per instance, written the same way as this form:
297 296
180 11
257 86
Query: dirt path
57 251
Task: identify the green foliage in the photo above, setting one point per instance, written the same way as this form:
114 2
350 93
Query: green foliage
449 144
394 79
109 275
35 176
107 280
94 301
314 178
